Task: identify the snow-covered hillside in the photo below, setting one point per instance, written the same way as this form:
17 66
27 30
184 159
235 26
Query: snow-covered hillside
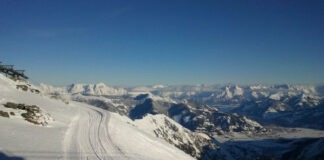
79 131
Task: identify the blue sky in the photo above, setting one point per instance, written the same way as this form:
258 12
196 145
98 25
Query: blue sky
164 42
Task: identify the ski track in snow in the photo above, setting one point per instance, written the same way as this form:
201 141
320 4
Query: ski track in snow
88 137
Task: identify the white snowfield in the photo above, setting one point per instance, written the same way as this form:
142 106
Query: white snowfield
79 131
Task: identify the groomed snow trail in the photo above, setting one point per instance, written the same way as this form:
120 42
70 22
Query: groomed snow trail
88 137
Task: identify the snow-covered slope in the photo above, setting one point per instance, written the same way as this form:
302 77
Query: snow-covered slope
79 131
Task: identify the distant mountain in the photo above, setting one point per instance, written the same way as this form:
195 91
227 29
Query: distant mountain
99 89
211 121
198 118
95 89
287 105
296 114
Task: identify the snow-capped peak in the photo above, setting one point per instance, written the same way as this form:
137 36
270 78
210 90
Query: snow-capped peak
98 89
238 91
228 93
159 86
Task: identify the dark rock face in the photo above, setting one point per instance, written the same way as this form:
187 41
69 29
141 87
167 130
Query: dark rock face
175 134
11 105
149 106
26 88
181 113
142 109
33 113
22 87
141 97
4 114
187 147
28 108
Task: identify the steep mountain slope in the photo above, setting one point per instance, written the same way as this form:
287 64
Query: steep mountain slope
163 127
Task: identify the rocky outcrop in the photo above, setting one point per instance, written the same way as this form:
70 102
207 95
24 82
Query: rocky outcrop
33 113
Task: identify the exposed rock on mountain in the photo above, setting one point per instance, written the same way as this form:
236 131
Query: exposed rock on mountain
164 127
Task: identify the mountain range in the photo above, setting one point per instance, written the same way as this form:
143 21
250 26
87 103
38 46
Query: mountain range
218 111
201 122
